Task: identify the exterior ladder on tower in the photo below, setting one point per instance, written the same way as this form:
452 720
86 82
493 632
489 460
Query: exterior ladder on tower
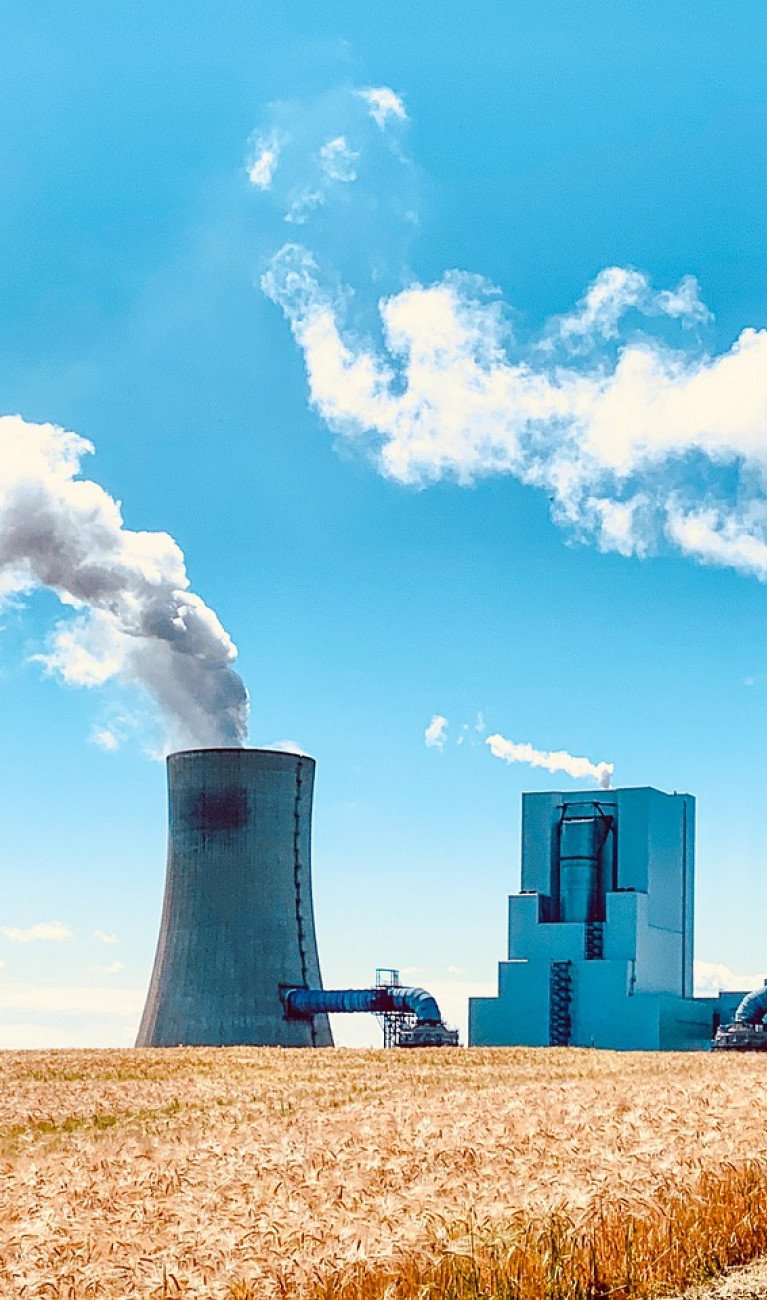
594 945
560 998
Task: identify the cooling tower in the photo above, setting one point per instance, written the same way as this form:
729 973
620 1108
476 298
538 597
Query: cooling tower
237 920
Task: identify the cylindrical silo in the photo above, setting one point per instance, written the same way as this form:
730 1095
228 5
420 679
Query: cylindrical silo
579 883
238 919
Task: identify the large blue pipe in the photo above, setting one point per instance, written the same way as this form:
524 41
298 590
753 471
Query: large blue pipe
753 1008
314 1002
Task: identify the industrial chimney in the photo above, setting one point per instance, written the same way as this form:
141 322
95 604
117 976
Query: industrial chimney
238 920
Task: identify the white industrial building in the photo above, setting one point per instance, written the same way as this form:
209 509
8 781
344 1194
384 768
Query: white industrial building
601 934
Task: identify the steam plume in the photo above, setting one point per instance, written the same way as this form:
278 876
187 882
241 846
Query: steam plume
559 761
136 618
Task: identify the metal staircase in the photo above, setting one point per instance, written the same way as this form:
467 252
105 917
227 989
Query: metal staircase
560 998
594 944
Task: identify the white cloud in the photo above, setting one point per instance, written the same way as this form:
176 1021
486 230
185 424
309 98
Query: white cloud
383 103
105 739
38 1036
38 1018
303 159
736 541
303 204
335 163
435 734
712 977
557 761
105 938
456 970
43 932
113 968
71 1000
638 444
614 292
261 170
337 160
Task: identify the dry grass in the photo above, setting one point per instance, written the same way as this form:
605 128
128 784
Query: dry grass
252 1173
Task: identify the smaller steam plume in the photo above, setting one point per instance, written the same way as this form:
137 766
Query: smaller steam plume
135 617
559 761
435 734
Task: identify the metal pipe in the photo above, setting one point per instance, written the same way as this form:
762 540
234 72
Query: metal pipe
301 1002
753 1008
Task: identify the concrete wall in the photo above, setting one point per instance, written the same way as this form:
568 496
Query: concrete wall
238 917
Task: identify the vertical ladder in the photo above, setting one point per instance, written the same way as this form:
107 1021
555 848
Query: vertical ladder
560 998
594 943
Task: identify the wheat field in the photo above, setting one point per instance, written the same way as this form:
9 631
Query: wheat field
242 1173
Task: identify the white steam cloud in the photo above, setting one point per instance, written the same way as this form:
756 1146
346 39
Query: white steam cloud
336 162
263 165
637 446
383 103
642 439
435 734
558 761
135 617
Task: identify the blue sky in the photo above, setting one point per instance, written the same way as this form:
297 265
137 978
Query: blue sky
527 502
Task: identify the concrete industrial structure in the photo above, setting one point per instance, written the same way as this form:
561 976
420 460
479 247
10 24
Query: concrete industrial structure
238 919
600 946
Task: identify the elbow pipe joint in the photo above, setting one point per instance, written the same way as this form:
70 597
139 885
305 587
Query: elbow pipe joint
753 1008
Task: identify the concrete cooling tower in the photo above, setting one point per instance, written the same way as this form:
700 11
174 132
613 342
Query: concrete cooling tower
238 921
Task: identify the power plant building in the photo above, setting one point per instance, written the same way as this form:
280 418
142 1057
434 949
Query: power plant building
600 949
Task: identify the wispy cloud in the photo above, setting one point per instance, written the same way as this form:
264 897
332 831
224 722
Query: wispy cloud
70 1031
264 161
43 932
642 439
711 977
102 937
71 1000
112 968
383 104
285 747
616 291
337 160
105 739
337 166
554 761
435 734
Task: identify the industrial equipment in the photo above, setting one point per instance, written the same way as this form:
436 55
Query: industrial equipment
427 1029
748 1031
393 1023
